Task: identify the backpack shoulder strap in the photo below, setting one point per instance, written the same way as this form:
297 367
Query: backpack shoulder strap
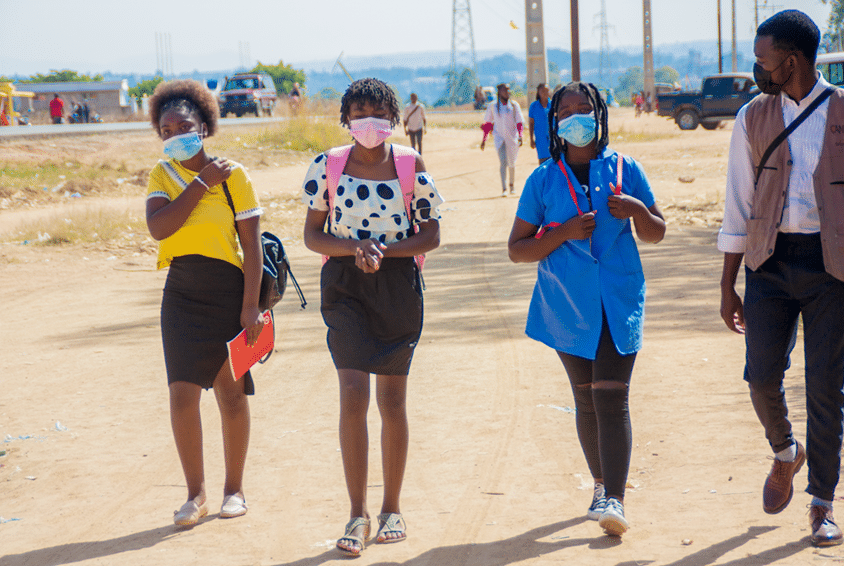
405 161
335 163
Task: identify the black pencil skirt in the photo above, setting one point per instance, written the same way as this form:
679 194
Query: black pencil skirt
374 319
200 312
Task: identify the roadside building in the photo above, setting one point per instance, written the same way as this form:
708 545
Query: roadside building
109 99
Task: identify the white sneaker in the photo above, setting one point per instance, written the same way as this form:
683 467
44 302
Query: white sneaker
599 501
612 519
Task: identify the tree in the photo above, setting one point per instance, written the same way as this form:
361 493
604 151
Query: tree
832 39
144 87
329 93
63 76
633 80
283 75
666 74
460 88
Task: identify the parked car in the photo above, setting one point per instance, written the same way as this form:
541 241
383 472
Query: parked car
832 67
719 98
247 93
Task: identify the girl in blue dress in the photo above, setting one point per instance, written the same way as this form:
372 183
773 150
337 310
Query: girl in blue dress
574 218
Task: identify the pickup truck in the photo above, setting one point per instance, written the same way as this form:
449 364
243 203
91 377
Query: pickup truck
248 93
719 98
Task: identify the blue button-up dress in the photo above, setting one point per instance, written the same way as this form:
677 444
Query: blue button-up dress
582 277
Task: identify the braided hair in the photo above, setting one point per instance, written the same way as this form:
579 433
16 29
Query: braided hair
374 92
557 147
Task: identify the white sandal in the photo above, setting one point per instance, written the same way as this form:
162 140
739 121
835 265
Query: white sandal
233 506
190 514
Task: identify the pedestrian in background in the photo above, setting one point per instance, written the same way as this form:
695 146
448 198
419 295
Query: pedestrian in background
504 119
538 122
415 122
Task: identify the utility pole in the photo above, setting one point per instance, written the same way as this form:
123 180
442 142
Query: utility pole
535 54
735 55
648 52
575 42
720 55
462 46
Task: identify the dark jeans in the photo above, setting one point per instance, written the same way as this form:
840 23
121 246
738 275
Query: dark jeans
415 139
793 282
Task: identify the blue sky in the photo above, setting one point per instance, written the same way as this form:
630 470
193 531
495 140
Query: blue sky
104 35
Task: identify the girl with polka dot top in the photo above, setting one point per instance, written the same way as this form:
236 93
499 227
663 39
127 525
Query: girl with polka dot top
371 291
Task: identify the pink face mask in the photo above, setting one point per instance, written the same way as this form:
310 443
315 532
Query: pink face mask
370 132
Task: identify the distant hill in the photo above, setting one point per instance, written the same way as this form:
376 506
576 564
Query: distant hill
423 72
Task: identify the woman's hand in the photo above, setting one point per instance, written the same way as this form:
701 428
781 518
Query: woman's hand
579 227
252 320
624 206
217 171
369 254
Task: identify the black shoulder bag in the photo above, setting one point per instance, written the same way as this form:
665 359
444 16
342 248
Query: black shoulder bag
276 267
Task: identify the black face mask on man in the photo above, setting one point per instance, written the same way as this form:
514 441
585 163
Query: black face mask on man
763 78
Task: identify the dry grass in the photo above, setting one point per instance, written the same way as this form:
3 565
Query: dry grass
86 225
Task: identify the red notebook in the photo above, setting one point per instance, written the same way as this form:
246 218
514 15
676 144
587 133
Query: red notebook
242 356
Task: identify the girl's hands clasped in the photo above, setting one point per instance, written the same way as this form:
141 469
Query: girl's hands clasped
369 254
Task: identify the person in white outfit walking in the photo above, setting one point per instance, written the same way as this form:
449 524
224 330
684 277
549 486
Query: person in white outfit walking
504 120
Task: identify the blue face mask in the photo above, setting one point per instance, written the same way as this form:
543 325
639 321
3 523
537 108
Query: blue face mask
183 147
578 129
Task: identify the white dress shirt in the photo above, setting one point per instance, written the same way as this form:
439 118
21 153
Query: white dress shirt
800 211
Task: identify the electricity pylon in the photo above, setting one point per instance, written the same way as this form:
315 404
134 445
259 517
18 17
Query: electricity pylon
604 63
462 46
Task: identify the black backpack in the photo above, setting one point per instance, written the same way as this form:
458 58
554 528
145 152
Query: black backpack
276 269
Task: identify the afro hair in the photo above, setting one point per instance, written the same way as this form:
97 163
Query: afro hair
189 95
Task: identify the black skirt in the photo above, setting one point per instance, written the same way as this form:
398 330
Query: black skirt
374 319
200 312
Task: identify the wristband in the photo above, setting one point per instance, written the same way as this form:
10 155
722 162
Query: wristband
201 182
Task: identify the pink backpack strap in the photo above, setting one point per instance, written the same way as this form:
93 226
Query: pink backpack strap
405 161
335 163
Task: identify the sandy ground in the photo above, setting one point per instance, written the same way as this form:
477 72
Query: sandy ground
495 473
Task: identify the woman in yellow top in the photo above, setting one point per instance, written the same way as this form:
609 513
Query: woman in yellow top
211 292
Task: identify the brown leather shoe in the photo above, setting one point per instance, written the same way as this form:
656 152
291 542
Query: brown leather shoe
779 487
824 530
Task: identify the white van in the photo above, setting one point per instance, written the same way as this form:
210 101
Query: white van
832 67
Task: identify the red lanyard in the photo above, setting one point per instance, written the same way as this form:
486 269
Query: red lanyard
572 192
571 187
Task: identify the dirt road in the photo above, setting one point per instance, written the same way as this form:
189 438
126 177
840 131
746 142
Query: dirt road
495 473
